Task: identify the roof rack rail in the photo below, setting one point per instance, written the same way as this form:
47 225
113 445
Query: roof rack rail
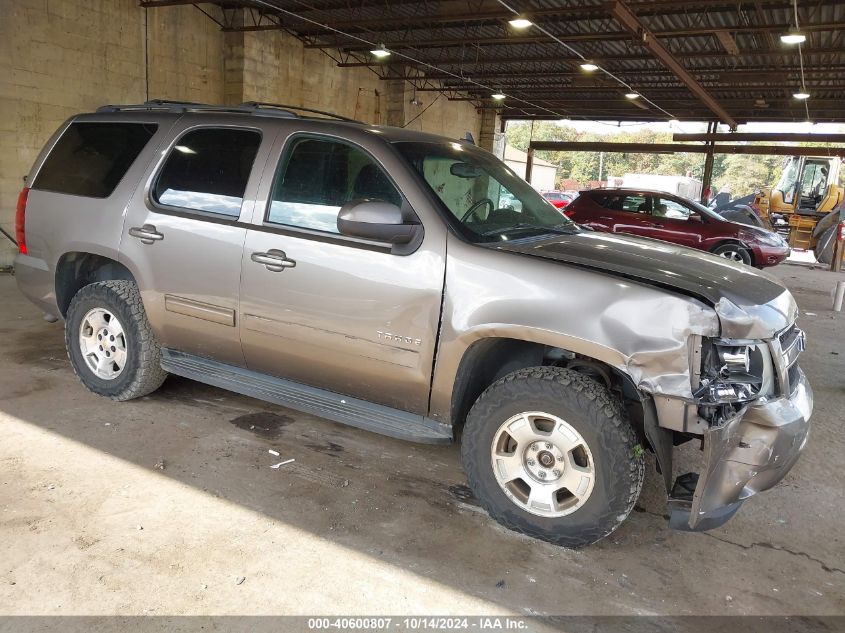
264 106
181 107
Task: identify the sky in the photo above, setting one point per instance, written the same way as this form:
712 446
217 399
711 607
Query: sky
608 127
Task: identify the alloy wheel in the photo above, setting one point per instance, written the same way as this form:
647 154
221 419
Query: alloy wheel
102 343
542 464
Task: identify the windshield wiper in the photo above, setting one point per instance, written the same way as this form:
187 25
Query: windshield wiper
559 229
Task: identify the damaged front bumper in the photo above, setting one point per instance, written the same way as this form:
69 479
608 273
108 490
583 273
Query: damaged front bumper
749 453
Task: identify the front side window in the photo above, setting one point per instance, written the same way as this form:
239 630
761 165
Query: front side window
90 159
208 170
668 208
317 177
484 198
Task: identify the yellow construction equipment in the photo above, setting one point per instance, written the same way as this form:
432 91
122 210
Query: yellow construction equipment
800 204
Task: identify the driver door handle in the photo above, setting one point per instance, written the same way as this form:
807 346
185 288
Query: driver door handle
147 233
274 260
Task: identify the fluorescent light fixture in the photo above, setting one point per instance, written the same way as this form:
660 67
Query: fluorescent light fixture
589 67
498 96
793 37
632 95
802 94
673 122
381 52
520 23
184 149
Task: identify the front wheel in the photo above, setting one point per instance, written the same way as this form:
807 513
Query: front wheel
550 453
110 343
733 252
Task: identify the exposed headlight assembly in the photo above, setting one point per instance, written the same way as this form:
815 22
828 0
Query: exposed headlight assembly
769 239
733 372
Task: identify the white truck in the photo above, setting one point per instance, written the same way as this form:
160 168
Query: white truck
684 186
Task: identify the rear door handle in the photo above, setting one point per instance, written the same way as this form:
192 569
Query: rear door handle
274 260
147 233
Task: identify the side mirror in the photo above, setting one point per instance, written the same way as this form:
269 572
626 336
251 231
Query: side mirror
695 217
376 220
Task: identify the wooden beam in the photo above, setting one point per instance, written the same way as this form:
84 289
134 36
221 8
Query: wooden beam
671 148
761 136
728 43
152 4
632 23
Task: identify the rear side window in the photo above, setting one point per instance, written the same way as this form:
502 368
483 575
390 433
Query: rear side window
90 159
622 202
207 170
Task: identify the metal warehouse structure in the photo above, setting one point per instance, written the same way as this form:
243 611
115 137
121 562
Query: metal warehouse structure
712 60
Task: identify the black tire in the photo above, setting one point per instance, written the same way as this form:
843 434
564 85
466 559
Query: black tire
742 253
142 374
825 244
592 411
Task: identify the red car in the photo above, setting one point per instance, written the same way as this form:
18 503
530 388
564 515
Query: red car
667 217
559 199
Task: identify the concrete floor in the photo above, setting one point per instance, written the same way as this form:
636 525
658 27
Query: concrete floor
168 505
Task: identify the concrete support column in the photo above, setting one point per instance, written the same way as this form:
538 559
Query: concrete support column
396 97
490 123
233 65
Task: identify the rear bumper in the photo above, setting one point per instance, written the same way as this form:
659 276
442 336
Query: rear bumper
36 281
749 454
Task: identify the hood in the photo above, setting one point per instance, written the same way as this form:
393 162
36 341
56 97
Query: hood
750 303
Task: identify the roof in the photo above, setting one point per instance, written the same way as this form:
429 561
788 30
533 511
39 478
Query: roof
729 49
518 156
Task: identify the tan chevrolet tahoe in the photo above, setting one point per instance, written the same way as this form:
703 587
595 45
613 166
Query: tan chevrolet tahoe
414 286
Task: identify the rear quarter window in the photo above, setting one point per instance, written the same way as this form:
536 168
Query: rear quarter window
90 159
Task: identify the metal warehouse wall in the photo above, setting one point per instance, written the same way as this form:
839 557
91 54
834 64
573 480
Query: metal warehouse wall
61 57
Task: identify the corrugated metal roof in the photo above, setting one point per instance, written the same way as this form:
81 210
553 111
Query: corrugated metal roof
466 48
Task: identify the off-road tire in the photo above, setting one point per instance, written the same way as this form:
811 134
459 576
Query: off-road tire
142 373
600 419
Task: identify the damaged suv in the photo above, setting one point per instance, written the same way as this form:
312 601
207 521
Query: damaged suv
412 285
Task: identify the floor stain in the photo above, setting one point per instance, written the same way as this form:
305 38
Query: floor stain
263 424
329 448
463 493
42 346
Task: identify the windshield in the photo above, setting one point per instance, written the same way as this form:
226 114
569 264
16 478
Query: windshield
789 179
710 213
484 198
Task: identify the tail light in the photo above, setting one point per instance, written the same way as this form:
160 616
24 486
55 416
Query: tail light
569 213
20 220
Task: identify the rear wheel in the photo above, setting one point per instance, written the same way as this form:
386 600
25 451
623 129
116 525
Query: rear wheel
110 342
551 454
734 252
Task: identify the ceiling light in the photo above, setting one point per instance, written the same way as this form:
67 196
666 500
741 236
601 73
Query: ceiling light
498 96
381 52
589 67
632 95
520 23
793 37
802 94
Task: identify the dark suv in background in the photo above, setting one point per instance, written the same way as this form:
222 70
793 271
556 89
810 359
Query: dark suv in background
668 217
